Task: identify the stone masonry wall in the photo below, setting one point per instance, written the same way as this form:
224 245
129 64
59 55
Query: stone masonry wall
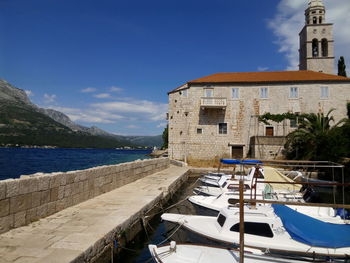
194 131
32 197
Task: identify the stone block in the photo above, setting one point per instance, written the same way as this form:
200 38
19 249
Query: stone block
68 190
42 211
20 203
85 186
63 179
36 199
4 207
31 215
45 197
12 188
80 187
60 205
70 177
55 180
6 223
51 208
43 182
2 189
19 219
54 194
75 188
61 191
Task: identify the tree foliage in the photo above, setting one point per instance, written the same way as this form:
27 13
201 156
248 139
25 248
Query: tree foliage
317 139
165 137
341 67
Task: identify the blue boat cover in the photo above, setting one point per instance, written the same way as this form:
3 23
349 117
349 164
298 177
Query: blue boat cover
242 162
312 231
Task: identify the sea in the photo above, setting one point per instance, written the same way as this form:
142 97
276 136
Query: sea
15 162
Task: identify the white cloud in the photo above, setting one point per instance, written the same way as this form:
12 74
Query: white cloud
89 115
115 89
29 93
135 111
263 68
88 90
289 20
102 96
49 98
162 125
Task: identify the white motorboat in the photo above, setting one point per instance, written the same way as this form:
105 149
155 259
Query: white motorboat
255 180
181 253
211 205
278 229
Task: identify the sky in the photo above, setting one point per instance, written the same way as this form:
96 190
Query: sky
110 63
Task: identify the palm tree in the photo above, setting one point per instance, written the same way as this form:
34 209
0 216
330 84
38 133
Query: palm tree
315 138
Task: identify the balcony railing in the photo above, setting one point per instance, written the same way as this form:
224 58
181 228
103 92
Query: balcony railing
213 102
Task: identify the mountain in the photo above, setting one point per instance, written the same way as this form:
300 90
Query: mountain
23 123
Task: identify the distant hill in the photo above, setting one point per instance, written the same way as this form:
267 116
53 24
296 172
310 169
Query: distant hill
23 123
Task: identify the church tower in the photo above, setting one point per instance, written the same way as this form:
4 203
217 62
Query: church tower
316 40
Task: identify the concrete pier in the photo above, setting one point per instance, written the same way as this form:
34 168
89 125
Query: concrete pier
84 232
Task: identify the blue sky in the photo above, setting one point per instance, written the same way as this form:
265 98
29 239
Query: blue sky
110 63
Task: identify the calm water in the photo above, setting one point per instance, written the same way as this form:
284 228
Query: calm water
15 162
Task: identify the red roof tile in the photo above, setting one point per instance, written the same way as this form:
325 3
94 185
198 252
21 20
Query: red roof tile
270 77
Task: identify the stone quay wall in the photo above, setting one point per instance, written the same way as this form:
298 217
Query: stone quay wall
32 197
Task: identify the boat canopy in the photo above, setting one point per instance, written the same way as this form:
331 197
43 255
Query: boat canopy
311 231
241 162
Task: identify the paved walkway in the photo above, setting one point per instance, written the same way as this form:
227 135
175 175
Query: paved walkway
67 235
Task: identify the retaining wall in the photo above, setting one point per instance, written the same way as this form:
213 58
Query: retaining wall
32 197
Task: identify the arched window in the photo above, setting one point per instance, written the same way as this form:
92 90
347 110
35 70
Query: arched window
315 47
320 20
324 44
314 20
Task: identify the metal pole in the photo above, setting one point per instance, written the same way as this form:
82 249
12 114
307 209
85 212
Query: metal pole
241 222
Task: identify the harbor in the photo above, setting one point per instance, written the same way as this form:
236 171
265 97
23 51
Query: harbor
118 224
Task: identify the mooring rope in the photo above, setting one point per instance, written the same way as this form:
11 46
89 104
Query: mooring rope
180 225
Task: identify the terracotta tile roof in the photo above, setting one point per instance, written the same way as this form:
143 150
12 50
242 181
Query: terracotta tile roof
270 77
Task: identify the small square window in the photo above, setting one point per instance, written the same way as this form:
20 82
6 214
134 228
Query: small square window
222 128
263 93
324 92
293 93
199 131
293 123
184 93
208 92
235 93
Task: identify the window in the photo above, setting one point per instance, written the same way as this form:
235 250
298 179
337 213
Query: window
222 128
293 92
269 131
221 220
324 46
315 47
263 93
293 123
320 20
208 92
235 93
199 131
252 228
324 92
184 93
314 20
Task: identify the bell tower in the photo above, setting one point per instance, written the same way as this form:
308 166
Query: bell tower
316 50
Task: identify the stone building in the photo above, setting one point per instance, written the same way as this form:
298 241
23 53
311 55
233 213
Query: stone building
216 116
316 40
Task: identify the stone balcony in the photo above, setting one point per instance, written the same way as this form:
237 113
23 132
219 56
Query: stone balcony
213 103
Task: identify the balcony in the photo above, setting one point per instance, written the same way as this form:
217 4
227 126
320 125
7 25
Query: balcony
213 103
